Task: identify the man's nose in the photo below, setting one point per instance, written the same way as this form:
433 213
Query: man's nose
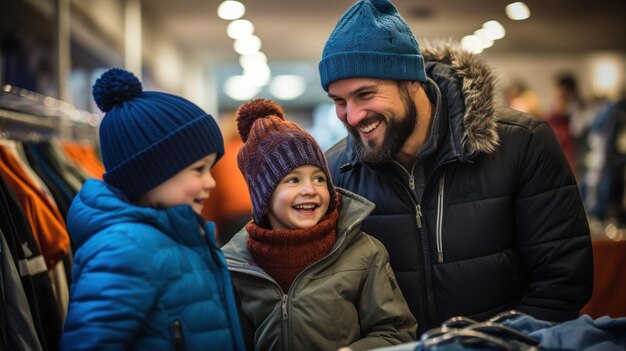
354 114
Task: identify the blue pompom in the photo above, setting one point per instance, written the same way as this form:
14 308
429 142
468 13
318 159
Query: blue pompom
114 87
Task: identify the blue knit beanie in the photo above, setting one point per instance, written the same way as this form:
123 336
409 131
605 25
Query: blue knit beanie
146 137
371 40
273 148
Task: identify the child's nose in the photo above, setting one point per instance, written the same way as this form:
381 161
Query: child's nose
208 181
308 188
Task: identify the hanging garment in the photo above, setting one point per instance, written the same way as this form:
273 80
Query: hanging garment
85 157
60 190
17 151
20 331
45 312
45 220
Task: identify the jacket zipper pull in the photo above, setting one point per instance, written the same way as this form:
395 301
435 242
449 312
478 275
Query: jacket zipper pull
179 343
412 182
285 307
390 276
418 216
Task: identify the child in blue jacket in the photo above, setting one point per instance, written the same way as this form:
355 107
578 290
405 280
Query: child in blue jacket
147 273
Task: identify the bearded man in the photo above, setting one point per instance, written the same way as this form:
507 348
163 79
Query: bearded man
476 204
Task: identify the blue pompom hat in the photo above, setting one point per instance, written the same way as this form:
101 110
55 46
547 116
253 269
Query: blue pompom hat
146 137
371 40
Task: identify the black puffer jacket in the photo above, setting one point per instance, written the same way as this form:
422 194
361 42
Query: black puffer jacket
500 225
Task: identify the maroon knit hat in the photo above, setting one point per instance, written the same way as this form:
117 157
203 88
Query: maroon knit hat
273 148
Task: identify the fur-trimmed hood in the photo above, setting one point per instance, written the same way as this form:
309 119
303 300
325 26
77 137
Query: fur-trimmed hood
468 85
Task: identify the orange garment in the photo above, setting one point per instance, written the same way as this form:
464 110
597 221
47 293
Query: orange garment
44 218
230 198
84 156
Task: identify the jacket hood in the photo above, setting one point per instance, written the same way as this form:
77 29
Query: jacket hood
99 206
468 85
353 209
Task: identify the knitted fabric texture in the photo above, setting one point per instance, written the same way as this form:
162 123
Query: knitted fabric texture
146 137
283 254
371 40
273 148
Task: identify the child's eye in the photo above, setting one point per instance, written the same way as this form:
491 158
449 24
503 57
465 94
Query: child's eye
320 179
292 180
199 169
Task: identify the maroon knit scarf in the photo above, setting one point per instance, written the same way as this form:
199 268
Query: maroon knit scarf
283 254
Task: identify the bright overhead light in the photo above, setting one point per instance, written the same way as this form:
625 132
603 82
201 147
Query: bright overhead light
258 75
471 43
517 11
239 28
231 10
287 87
240 88
247 45
494 30
252 59
483 36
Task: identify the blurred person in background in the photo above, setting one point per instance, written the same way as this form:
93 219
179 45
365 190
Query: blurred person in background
566 116
476 204
519 97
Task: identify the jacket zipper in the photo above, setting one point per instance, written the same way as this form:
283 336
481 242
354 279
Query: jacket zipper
285 315
430 294
439 229
418 208
179 342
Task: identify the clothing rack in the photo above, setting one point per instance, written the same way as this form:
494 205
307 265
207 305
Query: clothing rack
26 115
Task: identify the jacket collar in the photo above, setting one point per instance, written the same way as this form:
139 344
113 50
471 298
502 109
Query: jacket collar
99 206
353 210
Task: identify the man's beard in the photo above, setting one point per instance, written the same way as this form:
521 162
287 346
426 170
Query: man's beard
399 128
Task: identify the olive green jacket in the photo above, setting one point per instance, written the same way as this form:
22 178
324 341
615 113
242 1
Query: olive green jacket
348 298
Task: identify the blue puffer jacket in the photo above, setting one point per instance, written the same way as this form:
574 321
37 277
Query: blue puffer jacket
145 278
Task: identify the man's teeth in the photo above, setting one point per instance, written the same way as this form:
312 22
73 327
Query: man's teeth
369 128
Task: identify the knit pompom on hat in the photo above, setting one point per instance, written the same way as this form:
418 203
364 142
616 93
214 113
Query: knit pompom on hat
146 137
114 87
255 109
273 148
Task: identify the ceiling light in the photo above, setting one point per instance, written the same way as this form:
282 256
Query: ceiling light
247 44
494 30
254 58
240 88
239 28
231 10
471 43
287 87
483 36
258 75
517 11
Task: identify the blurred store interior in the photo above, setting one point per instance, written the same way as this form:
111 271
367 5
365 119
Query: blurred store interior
220 53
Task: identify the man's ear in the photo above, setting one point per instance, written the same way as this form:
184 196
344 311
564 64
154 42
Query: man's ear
414 86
